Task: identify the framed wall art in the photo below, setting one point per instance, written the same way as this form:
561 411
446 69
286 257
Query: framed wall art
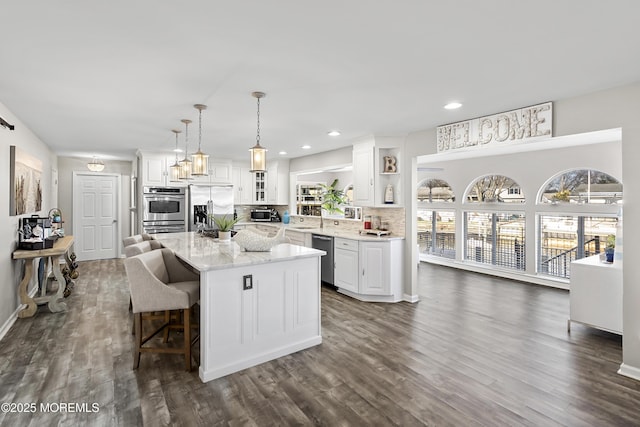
25 180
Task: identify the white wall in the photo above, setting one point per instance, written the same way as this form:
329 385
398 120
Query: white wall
11 271
613 108
66 167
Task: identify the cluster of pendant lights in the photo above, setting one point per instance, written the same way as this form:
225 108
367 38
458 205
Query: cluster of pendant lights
198 165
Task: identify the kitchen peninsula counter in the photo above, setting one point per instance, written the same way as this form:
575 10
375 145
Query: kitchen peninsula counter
254 306
345 233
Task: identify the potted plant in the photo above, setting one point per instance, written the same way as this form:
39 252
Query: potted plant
224 224
332 198
610 248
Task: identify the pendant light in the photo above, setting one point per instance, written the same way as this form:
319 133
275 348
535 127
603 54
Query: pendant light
185 164
258 152
95 165
175 168
200 160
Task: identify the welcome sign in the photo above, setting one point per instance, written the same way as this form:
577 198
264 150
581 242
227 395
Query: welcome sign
523 124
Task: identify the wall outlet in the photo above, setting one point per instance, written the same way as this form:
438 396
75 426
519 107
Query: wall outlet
247 282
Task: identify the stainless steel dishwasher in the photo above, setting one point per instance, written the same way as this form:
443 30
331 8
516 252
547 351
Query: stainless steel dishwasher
324 243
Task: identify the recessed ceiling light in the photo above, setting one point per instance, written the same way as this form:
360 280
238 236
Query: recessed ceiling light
306 147
334 133
452 106
283 153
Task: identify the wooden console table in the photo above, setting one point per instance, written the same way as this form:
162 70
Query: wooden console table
54 301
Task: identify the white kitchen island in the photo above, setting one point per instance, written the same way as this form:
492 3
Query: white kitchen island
254 306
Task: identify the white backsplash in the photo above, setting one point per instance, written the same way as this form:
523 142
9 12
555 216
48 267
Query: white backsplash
394 216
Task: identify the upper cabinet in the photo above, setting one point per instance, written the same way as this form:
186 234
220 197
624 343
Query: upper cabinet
242 185
278 182
219 172
155 171
262 188
377 177
363 175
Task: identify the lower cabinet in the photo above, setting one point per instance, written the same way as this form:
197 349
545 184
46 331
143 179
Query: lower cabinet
369 271
345 257
299 238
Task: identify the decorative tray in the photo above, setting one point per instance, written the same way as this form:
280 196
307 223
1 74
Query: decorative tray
376 232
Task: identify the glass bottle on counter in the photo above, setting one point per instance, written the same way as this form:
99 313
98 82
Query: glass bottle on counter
367 222
375 223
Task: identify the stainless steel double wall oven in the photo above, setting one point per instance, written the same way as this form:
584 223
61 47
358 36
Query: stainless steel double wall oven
165 210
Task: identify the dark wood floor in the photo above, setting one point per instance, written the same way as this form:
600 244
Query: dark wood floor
476 350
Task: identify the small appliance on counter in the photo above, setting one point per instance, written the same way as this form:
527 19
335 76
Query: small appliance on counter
35 233
262 214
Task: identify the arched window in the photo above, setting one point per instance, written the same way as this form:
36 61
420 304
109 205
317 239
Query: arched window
582 186
494 188
435 190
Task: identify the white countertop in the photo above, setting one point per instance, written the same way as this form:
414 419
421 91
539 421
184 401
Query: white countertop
595 261
206 253
345 234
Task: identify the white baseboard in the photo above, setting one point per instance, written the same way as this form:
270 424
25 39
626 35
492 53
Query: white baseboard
410 298
629 371
12 319
370 298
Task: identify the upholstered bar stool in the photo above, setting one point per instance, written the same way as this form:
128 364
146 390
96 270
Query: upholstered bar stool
158 281
134 249
141 247
136 239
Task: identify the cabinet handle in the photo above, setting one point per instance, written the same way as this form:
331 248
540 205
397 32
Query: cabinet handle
363 271
371 181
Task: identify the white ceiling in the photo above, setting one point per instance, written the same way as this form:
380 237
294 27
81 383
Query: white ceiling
105 78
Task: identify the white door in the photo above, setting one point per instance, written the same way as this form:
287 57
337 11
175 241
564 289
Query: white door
95 215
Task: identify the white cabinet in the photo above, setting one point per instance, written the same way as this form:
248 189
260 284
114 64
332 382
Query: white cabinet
262 188
374 263
369 270
259 192
278 182
242 186
363 179
345 258
372 177
219 172
155 172
595 297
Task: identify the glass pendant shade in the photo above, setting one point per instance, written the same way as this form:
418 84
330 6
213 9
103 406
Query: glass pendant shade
175 171
200 165
258 158
185 169
95 165
258 152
